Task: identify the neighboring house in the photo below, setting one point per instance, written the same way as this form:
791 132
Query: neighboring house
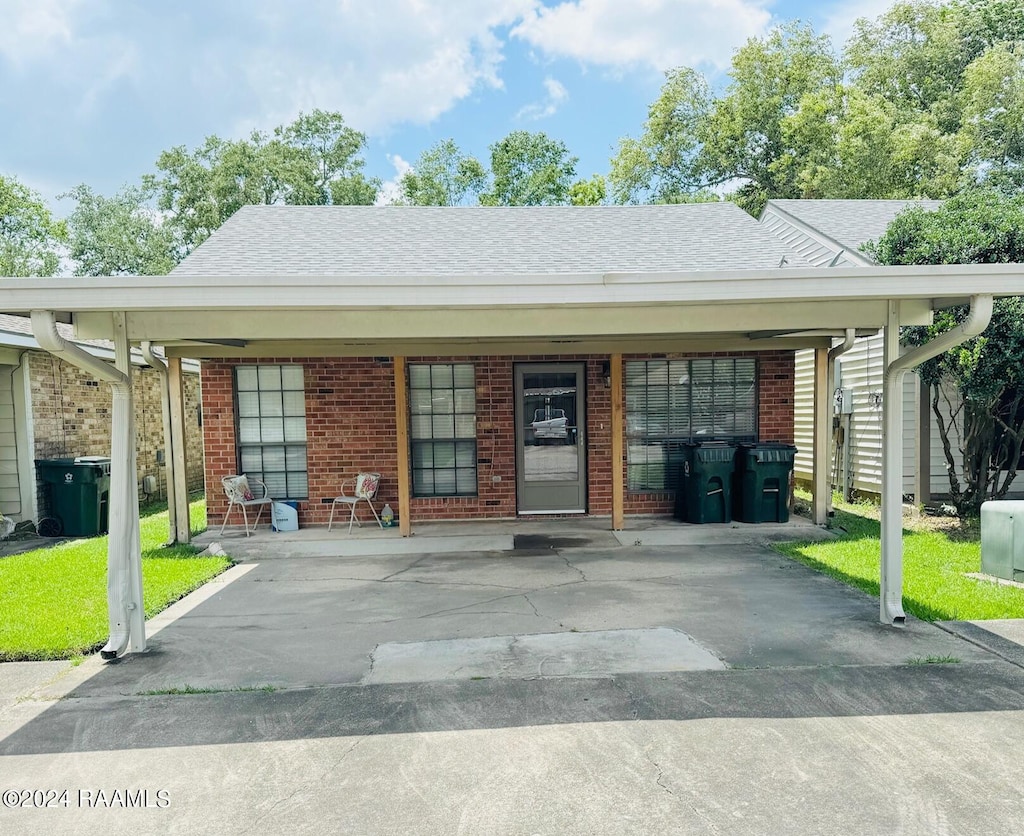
831 233
302 420
50 409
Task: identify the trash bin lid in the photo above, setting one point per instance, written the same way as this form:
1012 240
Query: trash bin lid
92 460
769 451
712 451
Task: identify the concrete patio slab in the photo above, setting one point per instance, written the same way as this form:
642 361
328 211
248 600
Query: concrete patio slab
599 653
261 705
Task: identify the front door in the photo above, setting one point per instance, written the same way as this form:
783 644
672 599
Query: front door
551 464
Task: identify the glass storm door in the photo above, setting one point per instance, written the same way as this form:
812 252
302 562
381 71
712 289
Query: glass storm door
551 466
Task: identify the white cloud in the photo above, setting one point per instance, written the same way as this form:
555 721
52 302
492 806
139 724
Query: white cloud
60 38
556 96
385 62
391 190
35 28
658 34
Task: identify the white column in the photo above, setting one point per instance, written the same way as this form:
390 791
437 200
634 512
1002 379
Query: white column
124 550
822 436
891 582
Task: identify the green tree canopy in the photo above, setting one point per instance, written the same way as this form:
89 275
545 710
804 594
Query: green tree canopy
315 160
443 176
927 100
982 434
30 239
693 141
529 169
592 192
119 235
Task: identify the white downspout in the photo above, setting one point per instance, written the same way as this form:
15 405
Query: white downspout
165 404
124 554
848 340
891 581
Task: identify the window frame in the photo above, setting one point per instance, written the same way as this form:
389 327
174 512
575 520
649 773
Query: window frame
672 442
461 450
285 445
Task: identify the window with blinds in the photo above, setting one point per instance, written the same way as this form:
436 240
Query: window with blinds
271 432
671 402
442 429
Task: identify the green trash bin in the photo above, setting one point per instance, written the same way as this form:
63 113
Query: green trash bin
762 482
77 493
705 482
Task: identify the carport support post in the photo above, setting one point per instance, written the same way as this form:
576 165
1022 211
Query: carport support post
178 460
890 587
402 424
124 561
617 432
822 447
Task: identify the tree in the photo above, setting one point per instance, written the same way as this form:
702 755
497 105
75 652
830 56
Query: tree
313 161
662 163
590 192
443 176
30 239
693 142
926 101
119 235
981 226
323 154
529 169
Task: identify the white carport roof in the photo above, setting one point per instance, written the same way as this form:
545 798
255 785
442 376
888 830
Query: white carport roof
305 281
401 281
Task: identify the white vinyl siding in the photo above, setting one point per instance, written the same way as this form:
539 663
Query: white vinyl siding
10 485
860 371
803 414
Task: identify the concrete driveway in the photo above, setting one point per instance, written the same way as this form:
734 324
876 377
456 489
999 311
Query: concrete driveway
571 685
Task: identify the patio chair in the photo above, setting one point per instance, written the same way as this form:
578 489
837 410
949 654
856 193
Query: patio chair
363 489
239 492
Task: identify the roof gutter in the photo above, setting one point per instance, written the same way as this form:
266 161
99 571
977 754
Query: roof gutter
119 599
978 318
44 329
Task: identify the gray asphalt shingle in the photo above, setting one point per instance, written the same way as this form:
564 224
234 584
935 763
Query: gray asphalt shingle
446 241
850 223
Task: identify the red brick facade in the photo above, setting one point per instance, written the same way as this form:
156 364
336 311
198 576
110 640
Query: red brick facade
350 426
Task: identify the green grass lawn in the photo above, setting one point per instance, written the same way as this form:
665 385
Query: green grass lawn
54 600
934 564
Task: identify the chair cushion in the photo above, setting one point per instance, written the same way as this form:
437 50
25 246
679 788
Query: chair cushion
237 488
366 485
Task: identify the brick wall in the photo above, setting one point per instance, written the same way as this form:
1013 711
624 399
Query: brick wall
71 416
350 426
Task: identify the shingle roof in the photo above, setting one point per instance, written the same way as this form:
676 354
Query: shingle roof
451 241
850 223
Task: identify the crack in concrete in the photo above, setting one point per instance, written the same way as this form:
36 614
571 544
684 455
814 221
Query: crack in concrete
633 702
572 566
408 568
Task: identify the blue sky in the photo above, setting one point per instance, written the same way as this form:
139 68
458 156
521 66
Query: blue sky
93 90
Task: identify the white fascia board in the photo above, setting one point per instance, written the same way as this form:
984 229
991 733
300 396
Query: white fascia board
192 293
